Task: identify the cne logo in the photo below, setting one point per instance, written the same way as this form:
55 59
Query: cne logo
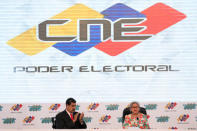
93 106
189 106
151 106
9 120
171 105
183 118
35 108
87 119
77 107
112 31
46 120
1 108
28 119
16 107
54 107
105 118
119 119
112 107
163 119
173 127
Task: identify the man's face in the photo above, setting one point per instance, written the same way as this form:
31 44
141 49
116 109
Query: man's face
71 108
135 109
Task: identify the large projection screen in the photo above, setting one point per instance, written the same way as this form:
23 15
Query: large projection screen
37 66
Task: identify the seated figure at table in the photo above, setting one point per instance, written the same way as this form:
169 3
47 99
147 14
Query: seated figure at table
69 119
136 119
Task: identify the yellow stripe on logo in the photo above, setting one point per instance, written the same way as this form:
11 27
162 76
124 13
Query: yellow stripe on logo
28 43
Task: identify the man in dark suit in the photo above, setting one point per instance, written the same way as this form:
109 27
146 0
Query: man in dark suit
69 119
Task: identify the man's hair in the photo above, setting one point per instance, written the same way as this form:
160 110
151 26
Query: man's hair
135 102
70 100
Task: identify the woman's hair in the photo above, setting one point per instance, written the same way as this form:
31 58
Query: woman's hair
135 102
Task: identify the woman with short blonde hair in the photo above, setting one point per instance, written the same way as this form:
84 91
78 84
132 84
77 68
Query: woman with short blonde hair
136 119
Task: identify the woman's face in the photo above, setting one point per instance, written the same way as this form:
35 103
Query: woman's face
135 109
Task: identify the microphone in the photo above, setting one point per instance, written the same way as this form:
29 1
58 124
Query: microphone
137 121
137 118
